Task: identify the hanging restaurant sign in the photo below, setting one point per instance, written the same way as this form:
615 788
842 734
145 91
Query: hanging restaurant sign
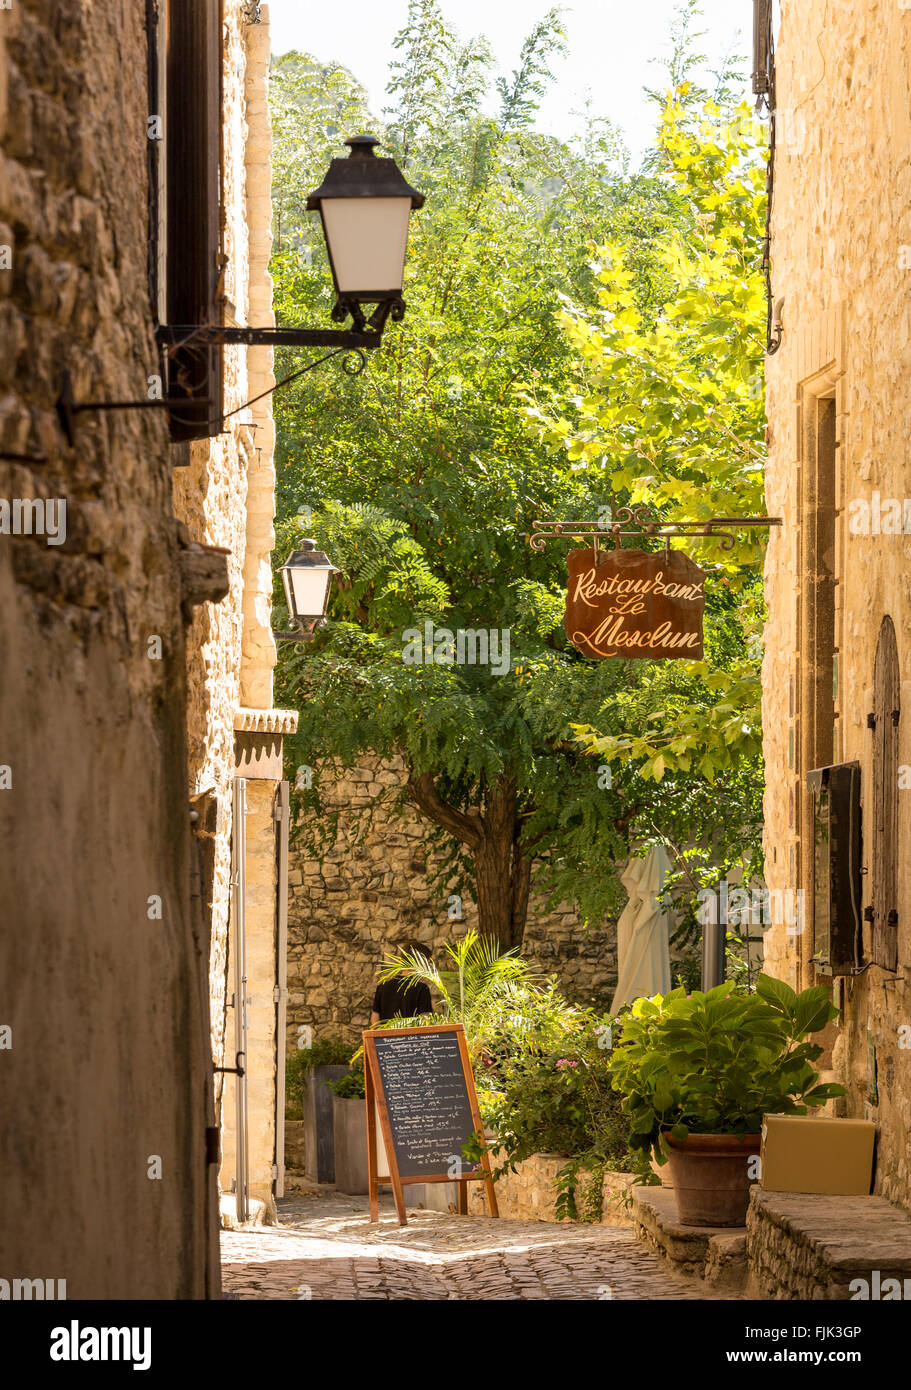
632 604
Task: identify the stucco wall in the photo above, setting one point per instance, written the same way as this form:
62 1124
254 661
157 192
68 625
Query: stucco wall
109 1066
842 261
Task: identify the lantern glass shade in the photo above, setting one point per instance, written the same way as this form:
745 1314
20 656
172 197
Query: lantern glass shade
365 203
367 240
307 576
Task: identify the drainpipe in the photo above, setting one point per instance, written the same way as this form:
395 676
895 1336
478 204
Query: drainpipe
282 815
242 1159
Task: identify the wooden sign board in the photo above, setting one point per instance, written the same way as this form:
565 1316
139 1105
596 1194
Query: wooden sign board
419 1085
631 604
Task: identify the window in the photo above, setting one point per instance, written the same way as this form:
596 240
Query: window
817 741
819 587
185 56
884 808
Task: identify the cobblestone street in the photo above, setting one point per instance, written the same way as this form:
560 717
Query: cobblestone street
326 1248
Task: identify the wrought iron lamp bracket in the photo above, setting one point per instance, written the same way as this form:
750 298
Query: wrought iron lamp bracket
299 633
366 335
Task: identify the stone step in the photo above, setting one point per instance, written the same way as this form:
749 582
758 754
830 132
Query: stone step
716 1254
804 1246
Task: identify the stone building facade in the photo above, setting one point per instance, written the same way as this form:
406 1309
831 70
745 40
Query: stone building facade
226 498
837 671
134 645
371 892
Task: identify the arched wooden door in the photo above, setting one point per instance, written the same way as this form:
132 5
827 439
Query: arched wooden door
886 716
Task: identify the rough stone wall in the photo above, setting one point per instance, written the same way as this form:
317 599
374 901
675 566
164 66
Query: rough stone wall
841 257
109 1062
367 897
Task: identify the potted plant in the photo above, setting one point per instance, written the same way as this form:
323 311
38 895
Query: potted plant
308 1074
698 1073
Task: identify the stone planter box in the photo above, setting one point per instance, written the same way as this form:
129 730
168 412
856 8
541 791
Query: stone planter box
350 1145
351 1173
319 1142
437 1196
529 1194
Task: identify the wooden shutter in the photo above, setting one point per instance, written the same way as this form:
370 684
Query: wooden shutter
762 46
886 715
191 40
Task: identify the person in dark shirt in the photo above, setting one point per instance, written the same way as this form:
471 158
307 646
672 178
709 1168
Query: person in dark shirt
402 997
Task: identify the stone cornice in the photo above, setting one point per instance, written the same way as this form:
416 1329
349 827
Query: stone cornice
265 721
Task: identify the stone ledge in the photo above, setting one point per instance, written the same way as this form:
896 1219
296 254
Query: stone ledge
805 1246
265 721
717 1254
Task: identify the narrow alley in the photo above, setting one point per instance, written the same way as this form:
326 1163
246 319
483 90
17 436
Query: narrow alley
327 1249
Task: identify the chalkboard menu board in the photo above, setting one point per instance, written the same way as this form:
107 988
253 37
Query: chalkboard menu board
427 1101
418 1083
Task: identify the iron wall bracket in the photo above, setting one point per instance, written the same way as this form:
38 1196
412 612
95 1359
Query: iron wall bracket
68 409
237 1069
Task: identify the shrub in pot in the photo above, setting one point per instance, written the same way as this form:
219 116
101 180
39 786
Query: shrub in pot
698 1073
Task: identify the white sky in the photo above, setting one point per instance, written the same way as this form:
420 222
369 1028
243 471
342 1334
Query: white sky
610 44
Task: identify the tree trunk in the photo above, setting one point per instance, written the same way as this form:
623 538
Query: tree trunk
502 870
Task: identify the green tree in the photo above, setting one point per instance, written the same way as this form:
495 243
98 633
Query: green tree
671 395
423 478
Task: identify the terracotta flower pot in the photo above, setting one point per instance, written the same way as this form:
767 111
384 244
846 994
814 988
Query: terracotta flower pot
711 1182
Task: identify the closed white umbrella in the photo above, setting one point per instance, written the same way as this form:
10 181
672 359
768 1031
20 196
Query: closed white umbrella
643 955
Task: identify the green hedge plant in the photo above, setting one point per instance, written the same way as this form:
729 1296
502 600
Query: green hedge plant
716 1063
350 1086
325 1052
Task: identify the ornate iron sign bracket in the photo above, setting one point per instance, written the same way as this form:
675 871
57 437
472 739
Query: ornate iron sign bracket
638 521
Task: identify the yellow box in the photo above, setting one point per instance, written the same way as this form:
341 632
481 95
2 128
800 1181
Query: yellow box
814 1153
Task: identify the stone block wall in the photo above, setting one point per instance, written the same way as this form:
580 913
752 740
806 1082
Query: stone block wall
226 497
841 261
368 896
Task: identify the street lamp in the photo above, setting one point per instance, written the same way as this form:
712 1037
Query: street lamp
365 204
307 577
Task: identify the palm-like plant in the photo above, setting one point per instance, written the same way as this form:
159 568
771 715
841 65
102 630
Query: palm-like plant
496 995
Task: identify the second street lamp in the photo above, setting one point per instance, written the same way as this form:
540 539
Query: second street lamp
307 576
